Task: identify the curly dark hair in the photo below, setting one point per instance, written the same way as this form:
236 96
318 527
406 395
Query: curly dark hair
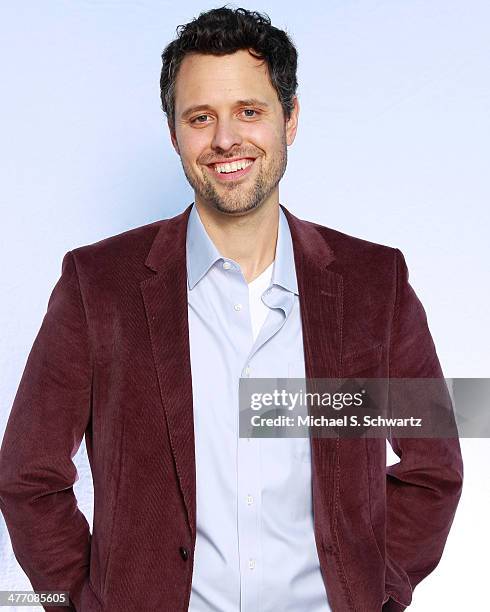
221 31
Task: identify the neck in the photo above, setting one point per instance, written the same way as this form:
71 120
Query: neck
248 239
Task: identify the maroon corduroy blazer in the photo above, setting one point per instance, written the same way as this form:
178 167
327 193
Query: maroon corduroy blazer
111 362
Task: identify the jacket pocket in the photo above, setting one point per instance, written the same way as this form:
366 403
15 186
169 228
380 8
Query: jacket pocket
359 361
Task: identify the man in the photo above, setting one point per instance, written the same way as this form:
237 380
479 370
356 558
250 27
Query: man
146 337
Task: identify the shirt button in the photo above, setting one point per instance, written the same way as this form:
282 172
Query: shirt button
184 553
226 265
250 500
247 371
237 307
251 564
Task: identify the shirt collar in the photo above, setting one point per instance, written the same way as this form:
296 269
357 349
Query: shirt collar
202 253
284 272
201 250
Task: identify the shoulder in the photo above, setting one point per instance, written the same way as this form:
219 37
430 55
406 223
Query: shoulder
352 254
343 242
118 260
120 245
130 249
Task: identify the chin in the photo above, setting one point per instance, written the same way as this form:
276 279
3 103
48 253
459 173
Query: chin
236 211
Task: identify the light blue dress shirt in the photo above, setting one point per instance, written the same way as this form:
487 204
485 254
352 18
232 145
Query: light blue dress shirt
255 545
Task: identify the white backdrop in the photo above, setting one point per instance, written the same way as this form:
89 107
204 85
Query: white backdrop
393 146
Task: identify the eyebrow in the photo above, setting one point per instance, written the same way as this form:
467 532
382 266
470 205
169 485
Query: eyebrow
202 107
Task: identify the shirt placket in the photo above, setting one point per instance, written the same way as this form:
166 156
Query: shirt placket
249 467
248 498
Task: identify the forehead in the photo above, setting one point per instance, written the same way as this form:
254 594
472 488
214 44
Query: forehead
204 79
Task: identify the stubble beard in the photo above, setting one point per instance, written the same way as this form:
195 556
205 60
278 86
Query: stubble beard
236 198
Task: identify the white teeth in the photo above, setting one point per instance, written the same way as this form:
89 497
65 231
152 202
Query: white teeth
234 166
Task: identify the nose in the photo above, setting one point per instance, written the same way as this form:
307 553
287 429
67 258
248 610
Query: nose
226 135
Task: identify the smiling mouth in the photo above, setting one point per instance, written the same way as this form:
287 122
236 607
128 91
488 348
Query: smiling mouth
229 171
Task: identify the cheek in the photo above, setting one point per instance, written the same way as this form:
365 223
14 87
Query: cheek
193 147
266 137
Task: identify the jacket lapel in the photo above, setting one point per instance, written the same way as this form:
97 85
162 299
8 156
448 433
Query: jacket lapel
321 303
165 299
320 296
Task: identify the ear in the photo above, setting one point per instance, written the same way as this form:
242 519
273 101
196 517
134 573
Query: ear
292 122
173 138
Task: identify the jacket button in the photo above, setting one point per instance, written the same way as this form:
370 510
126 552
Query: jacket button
184 553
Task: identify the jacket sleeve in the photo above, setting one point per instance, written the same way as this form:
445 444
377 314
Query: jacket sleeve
51 410
424 487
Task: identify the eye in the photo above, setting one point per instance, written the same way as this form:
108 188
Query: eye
195 120
250 110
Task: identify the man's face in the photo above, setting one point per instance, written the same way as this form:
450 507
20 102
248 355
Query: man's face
226 109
